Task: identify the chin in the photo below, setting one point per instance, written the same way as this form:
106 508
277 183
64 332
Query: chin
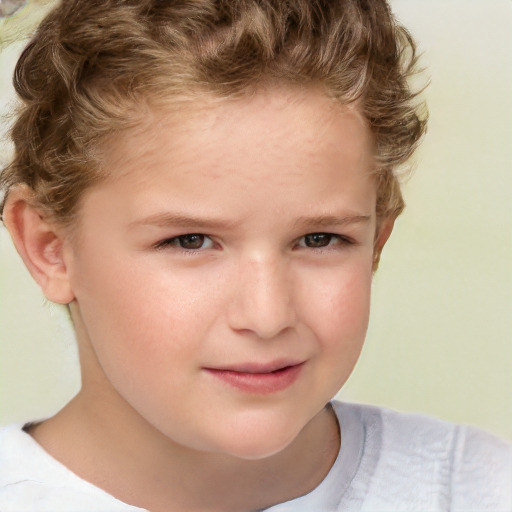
254 450
259 441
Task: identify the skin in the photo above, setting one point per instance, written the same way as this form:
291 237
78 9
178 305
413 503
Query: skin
255 177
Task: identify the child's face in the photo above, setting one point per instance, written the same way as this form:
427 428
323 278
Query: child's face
235 241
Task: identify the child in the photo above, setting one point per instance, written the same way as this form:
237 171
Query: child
208 186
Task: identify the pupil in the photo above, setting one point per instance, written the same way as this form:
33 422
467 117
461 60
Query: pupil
317 239
191 241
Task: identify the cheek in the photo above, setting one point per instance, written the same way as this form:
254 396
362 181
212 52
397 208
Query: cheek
335 312
146 330
352 302
344 294
338 309
142 313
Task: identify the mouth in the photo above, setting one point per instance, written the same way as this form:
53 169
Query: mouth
258 379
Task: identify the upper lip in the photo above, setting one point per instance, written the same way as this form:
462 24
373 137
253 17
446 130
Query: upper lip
254 367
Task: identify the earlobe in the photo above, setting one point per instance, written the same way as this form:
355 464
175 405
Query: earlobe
384 232
39 243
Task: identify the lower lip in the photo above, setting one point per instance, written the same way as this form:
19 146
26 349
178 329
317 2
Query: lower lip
259 383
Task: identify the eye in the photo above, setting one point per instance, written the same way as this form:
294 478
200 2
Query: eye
321 240
189 242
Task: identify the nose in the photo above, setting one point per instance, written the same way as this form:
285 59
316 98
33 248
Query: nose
263 298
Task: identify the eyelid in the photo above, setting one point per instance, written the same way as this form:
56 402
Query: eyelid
343 240
173 242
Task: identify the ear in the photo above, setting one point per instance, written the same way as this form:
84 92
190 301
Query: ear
384 230
40 244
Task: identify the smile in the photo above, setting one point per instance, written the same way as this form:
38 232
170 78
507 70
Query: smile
262 380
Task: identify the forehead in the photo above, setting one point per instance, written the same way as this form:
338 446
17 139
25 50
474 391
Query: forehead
211 128
275 154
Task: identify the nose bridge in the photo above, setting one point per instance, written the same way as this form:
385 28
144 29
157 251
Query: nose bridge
263 302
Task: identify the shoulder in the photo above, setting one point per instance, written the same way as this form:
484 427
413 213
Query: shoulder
30 479
481 462
436 464
15 454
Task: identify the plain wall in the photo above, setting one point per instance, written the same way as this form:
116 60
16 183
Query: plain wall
440 336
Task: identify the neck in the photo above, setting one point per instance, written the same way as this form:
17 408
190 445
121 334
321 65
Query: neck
142 467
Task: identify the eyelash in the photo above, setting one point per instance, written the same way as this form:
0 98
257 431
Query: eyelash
339 239
176 242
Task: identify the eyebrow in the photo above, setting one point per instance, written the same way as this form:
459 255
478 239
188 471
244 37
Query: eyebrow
167 219
331 220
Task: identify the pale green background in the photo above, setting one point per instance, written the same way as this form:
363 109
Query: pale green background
440 338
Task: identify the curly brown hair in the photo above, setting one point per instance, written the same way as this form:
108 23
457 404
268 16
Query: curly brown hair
91 66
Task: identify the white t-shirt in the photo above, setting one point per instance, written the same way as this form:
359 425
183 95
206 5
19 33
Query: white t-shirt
388 462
